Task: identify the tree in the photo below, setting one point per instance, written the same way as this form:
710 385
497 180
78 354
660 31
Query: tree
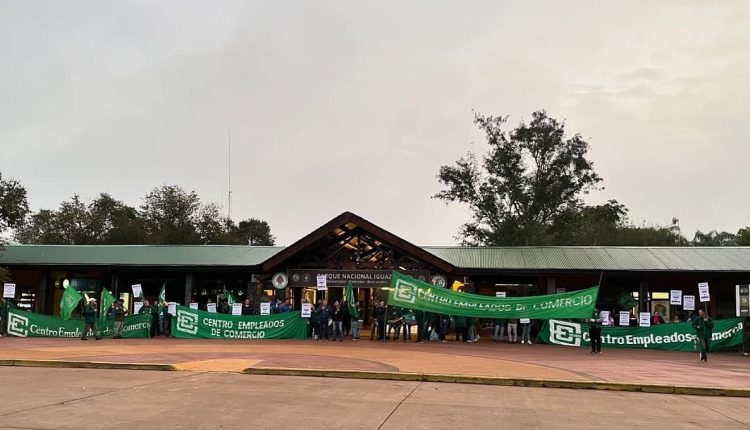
743 236
102 221
714 238
530 176
251 231
170 216
13 209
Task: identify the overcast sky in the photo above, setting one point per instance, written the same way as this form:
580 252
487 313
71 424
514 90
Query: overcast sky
337 106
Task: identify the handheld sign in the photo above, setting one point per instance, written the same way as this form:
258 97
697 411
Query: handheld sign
675 297
322 282
624 318
172 309
237 309
559 290
137 290
137 307
500 294
703 294
742 300
604 315
9 291
688 303
525 321
194 305
306 310
211 307
644 319
265 308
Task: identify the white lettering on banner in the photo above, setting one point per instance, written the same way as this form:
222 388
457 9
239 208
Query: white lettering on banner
565 333
187 322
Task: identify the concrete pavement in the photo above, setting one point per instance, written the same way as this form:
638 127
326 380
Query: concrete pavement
81 399
483 359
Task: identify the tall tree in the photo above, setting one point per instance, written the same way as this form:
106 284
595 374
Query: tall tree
13 209
743 236
170 216
714 238
530 175
251 231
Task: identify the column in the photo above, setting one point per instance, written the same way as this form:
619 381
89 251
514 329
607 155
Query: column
189 281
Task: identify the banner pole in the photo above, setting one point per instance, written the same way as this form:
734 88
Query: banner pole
385 324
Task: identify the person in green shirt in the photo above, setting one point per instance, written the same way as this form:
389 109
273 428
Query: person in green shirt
89 318
154 312
703 326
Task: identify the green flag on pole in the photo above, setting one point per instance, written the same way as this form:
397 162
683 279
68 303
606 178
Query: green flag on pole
162 300
70 299
107 299
231 299
350 301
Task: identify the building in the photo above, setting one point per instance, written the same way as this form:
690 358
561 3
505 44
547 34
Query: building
350 248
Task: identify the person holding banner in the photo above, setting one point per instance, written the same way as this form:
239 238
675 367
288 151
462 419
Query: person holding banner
120 313
89 315
703 326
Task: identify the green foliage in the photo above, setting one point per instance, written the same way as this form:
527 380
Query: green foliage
714 238
13 210
530 176
743 236
168 215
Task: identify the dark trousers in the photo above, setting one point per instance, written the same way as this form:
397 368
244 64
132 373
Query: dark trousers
324 330
595 333
705 346
347 324
462 334
92 327
155 326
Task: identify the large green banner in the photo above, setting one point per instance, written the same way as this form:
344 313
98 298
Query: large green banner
23 324
411 293
671 336
191 323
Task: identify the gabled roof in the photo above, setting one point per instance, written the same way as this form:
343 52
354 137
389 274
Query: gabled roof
348 220
596 258
136 255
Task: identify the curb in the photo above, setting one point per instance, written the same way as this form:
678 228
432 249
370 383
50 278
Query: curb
88 365
508 382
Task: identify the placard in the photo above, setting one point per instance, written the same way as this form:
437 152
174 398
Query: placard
9 291
306 310
137 307
265 308
193 305
688 303
500 294
624 318
322 283
559 290
237 309
604 315
675 297
525 321
211 307
172 308
137 290
703 294
742 299
644 319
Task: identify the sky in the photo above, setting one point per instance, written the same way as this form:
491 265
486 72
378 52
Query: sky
337 106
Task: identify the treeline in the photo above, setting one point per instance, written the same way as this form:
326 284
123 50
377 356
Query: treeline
168 215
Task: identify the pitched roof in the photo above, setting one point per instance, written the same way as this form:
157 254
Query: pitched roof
607 258
136 255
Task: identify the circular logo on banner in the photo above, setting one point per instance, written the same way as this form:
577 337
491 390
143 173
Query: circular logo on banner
439 281
280 280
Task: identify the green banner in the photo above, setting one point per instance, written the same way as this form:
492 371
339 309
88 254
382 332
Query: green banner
28 324
411 293
191 323
670 336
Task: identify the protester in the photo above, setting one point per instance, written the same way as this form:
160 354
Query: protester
703 326
154 312
513 330
247 307
379 316
461 332
346 322
324 317
89 315
445 324
354 323
120 313
421 319
499 329
526 332
656 319
595 332
338 318
471 329
166 320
